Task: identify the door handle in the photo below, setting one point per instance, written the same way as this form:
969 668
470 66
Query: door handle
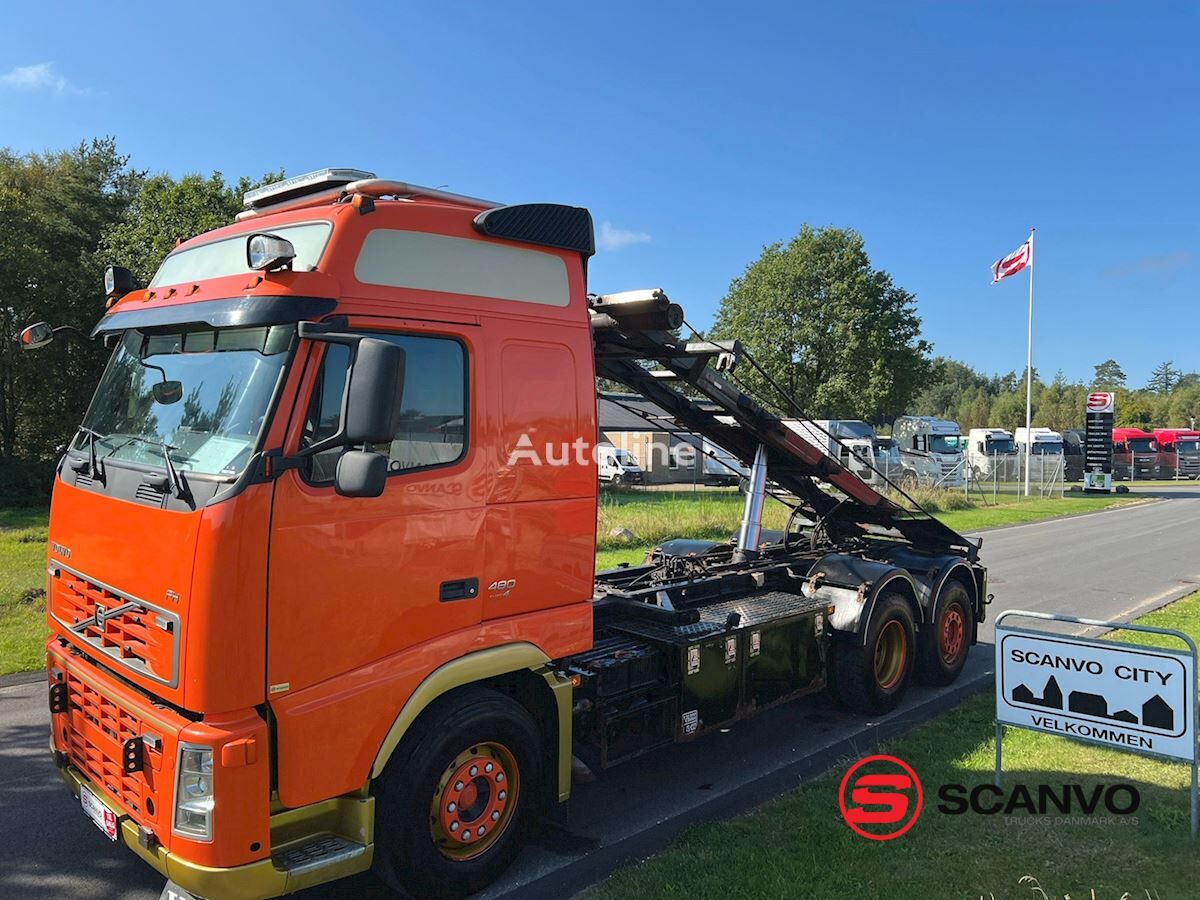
462 589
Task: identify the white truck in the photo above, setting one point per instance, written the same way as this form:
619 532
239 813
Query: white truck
991 454
617 467
1041 449
931 451
851 441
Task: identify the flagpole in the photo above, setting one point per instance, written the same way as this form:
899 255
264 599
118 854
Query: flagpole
1029 374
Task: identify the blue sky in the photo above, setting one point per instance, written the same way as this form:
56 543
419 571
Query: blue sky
698 133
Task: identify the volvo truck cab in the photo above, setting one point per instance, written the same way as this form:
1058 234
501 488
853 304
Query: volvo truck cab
321 579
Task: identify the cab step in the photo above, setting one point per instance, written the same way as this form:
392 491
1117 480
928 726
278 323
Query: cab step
319 852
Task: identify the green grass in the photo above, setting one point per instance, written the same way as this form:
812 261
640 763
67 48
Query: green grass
23 629
1035 509
655 516
798 846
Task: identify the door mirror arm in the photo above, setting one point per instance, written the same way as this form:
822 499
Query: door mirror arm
370 411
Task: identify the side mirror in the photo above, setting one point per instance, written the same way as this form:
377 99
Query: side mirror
37 335
372 413
360 473
167 392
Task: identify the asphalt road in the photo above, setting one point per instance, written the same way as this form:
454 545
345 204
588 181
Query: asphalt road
1109 565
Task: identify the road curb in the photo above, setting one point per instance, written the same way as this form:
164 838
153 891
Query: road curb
598 863
22 678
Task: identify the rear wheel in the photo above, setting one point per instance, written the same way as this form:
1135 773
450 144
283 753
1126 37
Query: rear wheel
943 644
872 677
451 815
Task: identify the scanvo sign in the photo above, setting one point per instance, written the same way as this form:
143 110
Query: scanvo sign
1100 402
1134 698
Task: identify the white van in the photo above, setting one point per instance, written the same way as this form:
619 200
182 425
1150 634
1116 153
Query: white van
617 466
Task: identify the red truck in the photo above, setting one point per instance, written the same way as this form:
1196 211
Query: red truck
1135 454
1178 452
321 556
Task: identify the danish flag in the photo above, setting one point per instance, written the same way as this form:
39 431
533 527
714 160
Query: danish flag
1013 263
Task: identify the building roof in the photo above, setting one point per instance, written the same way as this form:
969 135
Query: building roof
620 412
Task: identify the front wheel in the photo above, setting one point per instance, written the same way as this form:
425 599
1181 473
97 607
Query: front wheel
451 815
872 677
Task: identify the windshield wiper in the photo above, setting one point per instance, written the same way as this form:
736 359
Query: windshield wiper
176 484
92 463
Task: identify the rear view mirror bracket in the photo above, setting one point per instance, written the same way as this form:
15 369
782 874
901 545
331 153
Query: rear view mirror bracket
376 368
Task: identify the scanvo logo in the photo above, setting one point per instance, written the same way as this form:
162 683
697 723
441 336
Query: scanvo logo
1100 402
881 797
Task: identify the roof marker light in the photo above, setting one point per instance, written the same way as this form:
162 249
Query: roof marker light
299 185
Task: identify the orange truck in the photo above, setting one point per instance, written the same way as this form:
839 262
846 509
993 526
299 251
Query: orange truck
321 565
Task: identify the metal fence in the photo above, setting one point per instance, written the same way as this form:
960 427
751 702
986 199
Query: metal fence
1001 478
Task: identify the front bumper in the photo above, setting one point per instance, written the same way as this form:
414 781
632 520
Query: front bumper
296 829
259 879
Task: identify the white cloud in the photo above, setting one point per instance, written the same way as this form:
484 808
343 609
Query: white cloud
613 238
38 77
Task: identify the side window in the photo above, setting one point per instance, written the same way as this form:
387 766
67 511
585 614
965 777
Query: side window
433 429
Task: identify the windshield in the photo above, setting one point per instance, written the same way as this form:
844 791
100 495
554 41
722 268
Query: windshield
1047 448
945 443
625 458
1187 446
212 417
999 445
1141 445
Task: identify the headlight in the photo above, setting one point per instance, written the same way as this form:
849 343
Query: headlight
194 792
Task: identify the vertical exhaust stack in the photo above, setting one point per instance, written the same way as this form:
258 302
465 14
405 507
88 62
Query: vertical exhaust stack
747 545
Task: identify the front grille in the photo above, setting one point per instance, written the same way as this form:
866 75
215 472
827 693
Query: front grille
93 732
131 632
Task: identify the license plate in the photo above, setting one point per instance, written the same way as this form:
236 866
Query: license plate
105 818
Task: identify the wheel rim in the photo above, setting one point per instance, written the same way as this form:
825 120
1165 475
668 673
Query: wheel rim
475 801
891 653
953 632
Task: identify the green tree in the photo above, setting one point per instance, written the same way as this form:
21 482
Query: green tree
1109 376
1185 406
1164 378
830 329
1008 410
1133 410
1055 408
54 209
167 211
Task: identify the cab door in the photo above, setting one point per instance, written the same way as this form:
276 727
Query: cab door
353 580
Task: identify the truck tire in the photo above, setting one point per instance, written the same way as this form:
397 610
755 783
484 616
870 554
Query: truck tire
873 678
474 769
943 644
